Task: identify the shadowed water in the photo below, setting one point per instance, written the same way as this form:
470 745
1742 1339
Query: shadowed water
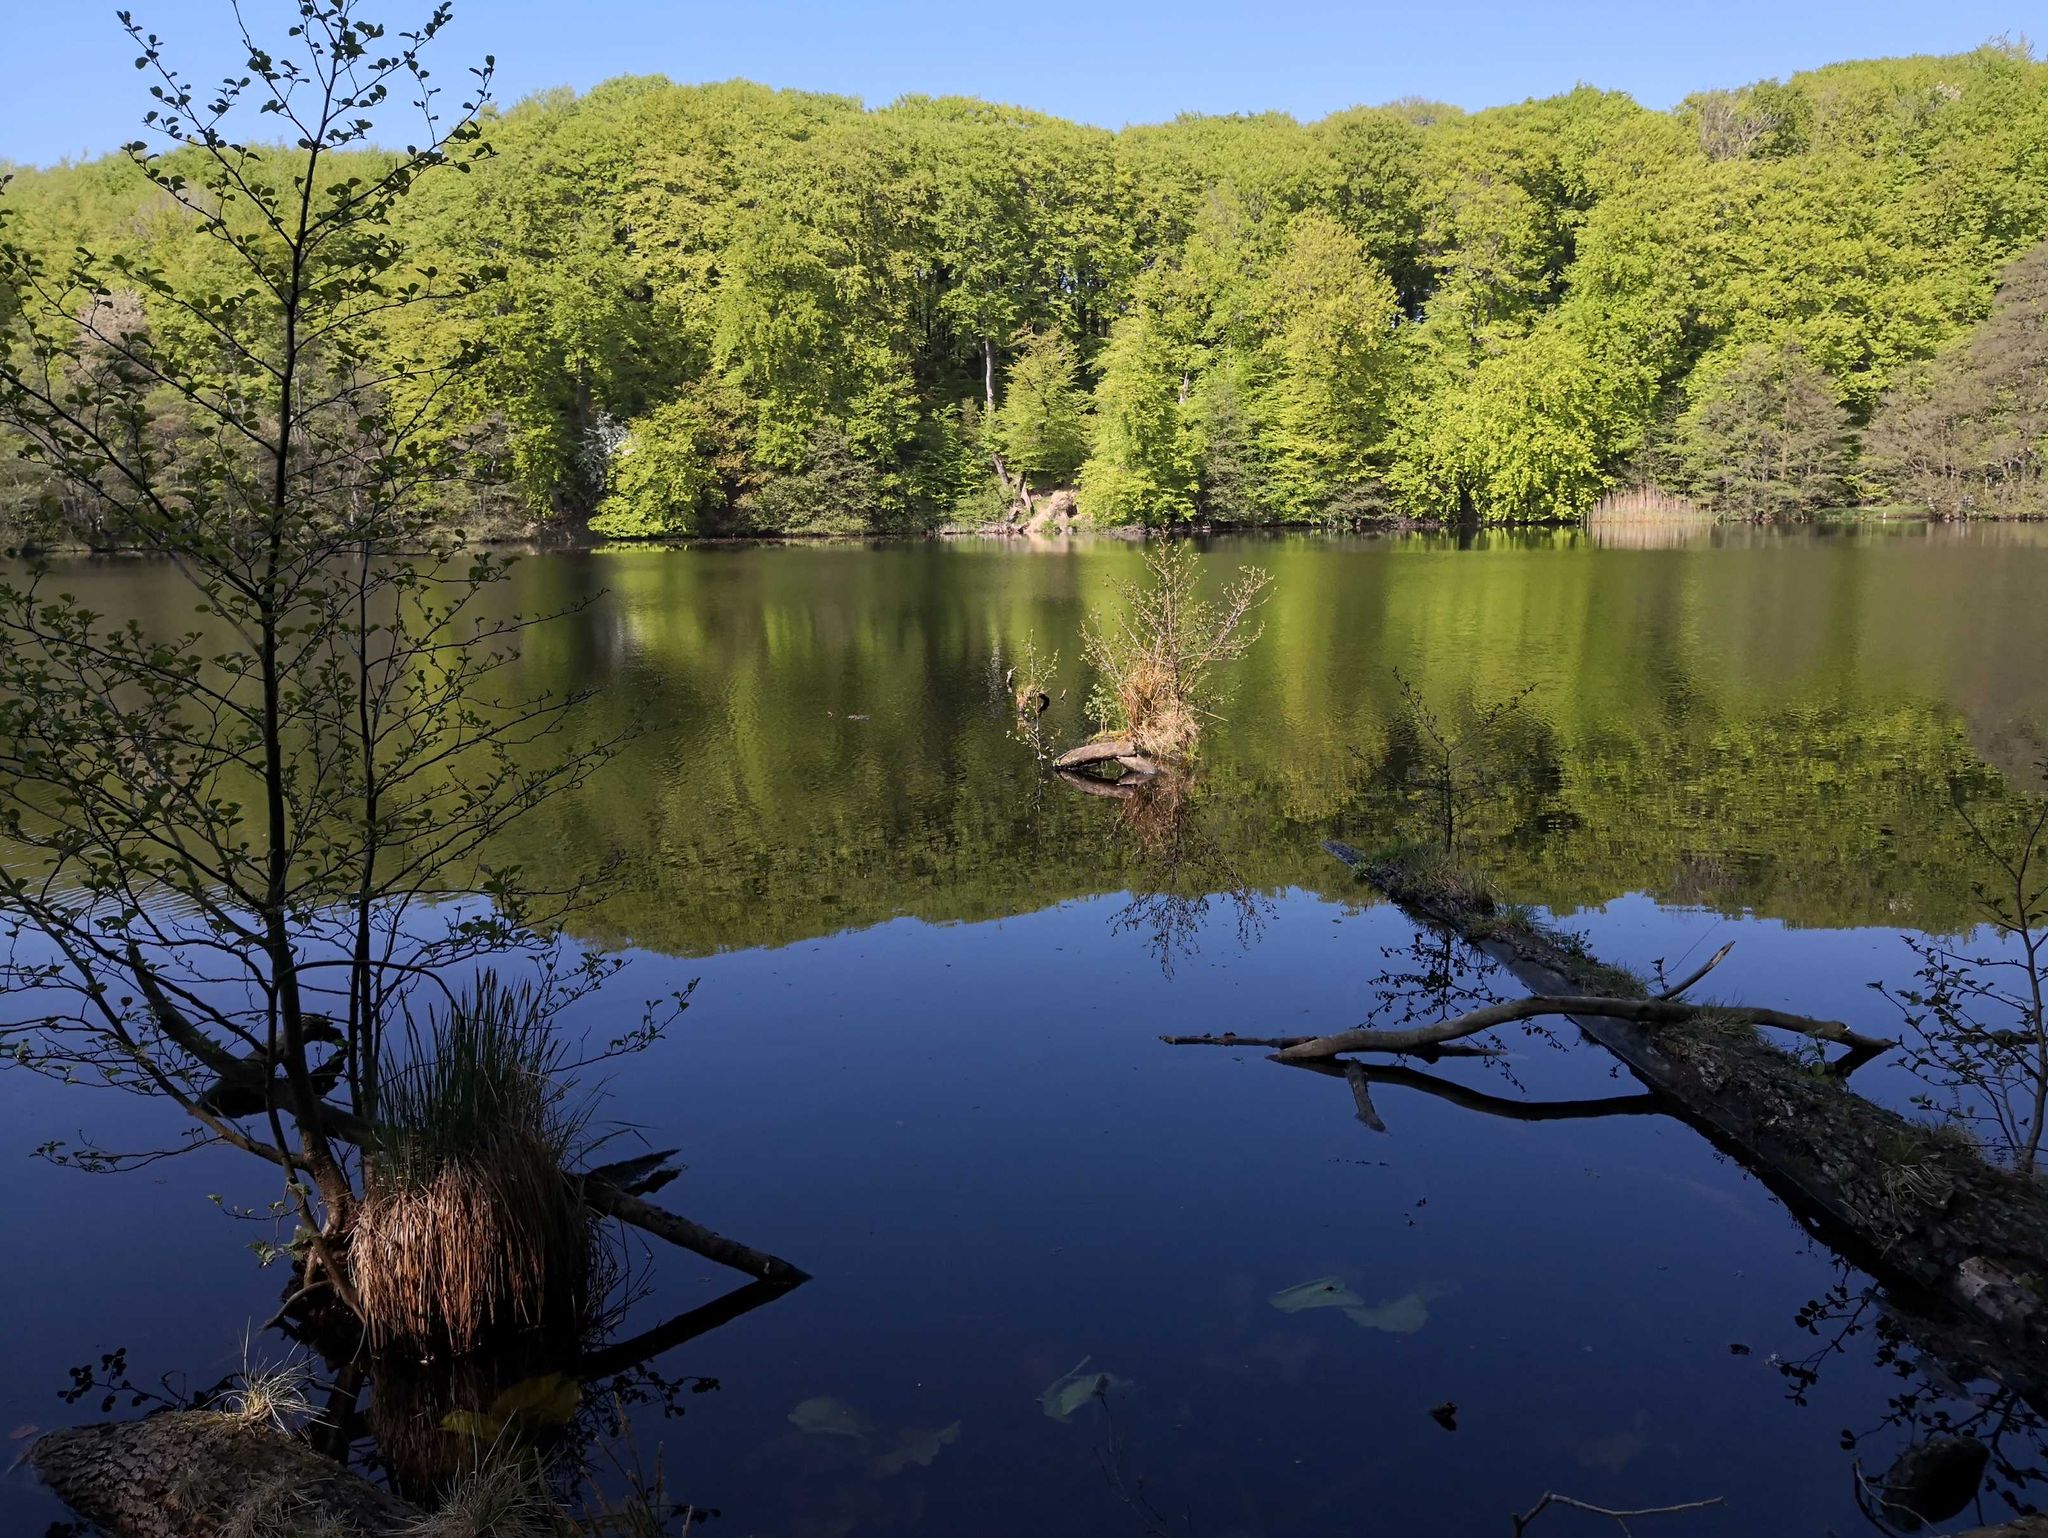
922 1058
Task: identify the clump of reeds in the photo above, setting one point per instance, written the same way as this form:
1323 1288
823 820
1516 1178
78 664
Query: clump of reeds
1157 660
468 1221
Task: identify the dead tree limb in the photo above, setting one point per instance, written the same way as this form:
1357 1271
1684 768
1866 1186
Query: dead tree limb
1361 1095
1620 1518
1712 962
601 1196
1959 1245
1641 1011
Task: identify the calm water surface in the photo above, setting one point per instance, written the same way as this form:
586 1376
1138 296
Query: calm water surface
922 1058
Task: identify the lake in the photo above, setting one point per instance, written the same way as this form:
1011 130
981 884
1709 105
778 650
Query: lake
922 1058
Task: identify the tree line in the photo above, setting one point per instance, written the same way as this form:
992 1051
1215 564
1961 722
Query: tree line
729 309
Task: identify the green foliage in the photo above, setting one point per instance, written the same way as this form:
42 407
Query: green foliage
1327 360
1968 432
673 471
1403 309
834 491
1138 470
1523 435
1042 424
1766 436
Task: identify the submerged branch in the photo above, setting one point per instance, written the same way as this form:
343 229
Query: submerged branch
1619 1517
1468 1099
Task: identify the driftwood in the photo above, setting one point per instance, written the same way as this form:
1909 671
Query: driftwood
196 1474
1959 1245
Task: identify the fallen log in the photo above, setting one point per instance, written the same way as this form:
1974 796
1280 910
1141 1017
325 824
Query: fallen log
1106 751
197 1474
1959 1245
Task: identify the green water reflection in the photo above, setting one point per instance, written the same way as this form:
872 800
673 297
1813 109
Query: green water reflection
1767 722
1744 720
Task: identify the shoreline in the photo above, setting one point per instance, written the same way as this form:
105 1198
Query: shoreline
564 540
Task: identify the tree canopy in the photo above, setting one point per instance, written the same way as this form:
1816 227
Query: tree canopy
725 308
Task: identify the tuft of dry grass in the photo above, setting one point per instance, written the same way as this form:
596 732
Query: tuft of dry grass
1157 660
476 1245
503 1497
270 1396
278 1508
467 1221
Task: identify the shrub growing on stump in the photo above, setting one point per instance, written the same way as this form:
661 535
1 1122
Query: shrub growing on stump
1157 661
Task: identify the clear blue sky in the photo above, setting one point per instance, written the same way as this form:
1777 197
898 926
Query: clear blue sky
67 87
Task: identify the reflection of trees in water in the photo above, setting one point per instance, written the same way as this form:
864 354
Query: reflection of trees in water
1176 867
1957 1429
1918 1458
1976 1012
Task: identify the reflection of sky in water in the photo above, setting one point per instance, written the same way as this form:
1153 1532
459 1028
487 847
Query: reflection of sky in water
970 1136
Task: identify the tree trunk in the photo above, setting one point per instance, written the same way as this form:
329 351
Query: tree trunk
195 1474
1959 1245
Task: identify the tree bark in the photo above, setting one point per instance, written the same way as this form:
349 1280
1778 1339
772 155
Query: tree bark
1113 749
195 1474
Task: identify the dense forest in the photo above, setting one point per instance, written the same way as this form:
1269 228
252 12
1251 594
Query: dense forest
729 309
